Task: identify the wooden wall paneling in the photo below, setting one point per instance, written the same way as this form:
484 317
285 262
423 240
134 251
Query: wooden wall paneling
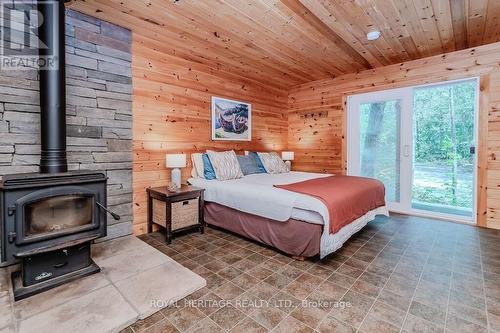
320 144
343 161
171 113
493 166
482 151
258 51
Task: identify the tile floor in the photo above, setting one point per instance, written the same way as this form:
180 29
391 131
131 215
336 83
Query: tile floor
399 274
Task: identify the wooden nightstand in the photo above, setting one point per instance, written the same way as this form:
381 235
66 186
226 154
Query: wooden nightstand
175 211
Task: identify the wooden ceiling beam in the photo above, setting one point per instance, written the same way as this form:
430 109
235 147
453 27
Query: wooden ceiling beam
309 18
347 18
317 46
320 9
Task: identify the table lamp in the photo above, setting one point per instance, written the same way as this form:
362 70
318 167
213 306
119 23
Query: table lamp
288 156
175 162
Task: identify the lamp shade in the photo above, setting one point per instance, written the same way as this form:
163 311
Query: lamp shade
175 160
287 156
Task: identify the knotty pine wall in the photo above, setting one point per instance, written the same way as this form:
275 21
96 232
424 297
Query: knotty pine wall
319 142
171 114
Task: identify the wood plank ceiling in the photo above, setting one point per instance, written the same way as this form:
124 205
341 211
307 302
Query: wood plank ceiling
283 43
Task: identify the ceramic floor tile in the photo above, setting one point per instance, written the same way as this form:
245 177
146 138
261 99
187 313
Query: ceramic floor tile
268 317
227 317
292 325
373 323
248 325
333 325
378 271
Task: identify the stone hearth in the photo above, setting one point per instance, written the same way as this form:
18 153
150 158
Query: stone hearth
133 276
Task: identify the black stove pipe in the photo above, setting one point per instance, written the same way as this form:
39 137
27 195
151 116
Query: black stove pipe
53 88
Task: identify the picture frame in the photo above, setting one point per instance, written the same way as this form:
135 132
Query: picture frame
231 120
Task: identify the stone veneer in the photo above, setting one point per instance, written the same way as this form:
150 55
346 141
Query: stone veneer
99 112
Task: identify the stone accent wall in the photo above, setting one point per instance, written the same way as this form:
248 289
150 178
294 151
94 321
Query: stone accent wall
99 112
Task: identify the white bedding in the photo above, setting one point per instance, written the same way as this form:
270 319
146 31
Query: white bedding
255 194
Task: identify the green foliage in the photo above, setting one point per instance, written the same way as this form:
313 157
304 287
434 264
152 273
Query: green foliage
433 141
442 162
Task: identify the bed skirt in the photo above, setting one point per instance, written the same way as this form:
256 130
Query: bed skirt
294 237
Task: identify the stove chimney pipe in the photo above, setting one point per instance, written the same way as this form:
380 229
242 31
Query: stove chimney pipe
53 88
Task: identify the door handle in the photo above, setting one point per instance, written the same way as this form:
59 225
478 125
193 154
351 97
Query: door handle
114 215
472 150
406 150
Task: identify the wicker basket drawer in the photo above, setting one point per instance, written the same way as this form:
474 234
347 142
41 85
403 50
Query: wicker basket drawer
184 213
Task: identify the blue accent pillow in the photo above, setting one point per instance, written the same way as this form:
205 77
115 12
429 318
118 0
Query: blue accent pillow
248 164
208 169
259 162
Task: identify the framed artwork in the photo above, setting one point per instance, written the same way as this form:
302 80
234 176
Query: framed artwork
231 120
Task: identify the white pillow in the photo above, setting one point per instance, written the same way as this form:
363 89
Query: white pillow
273 163
225 165
198 170
194 173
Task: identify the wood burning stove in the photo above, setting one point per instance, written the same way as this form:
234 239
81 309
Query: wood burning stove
50 219
48 223
45 210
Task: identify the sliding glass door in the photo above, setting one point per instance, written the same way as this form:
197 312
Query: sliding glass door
420 142
380 149
444 139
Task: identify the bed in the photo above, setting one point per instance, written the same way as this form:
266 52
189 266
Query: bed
297 224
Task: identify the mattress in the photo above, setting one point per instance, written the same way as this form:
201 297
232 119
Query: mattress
294 237
256 194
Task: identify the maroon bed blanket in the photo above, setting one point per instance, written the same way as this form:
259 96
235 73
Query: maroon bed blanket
346 197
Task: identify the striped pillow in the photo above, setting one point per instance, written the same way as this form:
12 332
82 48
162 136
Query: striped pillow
197 171
273 163
225 165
